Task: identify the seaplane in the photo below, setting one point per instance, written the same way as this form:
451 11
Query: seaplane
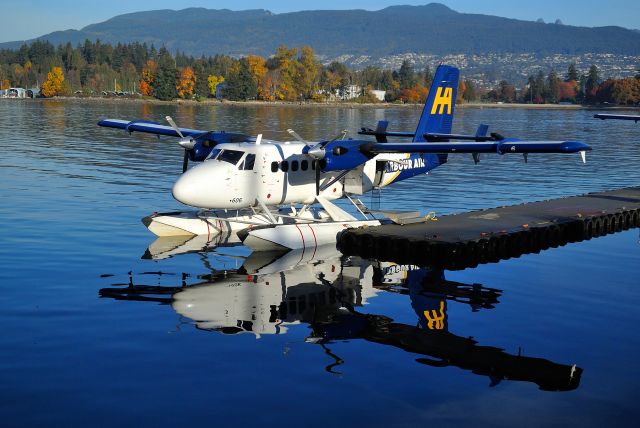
278 195
329 294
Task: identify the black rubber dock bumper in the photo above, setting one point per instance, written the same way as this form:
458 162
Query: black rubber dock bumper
465 240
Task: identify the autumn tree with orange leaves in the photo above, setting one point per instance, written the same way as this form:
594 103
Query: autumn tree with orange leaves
186 83
308 73
258 68
462 88
54 84
620 91
285 74
148 76
568 91
416 94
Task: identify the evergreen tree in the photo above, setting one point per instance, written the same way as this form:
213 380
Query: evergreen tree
572 73
406 75
428 77
539 88
240 84
591 84
202 88
370 76
582 81
471 93
506 92
164 85
387 80
553 87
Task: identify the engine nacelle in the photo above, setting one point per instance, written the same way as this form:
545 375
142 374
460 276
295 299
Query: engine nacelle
343 155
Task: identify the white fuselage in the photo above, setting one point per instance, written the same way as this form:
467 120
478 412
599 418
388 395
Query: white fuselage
237 175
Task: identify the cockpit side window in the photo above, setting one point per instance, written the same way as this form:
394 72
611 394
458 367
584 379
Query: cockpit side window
248 163
231 156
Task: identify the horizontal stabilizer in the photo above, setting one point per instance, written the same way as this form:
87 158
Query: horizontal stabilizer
481 135
446 137
381 135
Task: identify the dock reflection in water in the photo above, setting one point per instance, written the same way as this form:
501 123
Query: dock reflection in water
271 292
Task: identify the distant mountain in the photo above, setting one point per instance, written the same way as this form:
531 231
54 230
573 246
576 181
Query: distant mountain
433 29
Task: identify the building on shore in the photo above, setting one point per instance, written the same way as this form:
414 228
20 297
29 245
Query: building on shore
16 93
379 94
19 93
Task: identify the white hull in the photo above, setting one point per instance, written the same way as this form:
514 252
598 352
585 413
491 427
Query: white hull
299 236
209 224
165 247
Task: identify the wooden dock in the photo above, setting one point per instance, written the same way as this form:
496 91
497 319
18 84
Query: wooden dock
464 240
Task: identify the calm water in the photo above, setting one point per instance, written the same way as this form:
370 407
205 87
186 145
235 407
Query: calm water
95 335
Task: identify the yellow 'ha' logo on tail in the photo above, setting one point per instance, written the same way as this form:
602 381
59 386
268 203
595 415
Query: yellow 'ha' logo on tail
442 100
435 318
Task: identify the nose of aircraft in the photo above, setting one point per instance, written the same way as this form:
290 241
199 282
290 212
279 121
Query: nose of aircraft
199 186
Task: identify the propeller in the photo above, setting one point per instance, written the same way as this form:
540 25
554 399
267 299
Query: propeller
317 152
295 135
316 164
187 143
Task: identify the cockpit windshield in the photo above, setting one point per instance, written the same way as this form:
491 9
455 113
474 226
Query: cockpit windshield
231 156
213 154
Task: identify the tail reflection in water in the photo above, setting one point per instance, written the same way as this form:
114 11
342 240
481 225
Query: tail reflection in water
272 292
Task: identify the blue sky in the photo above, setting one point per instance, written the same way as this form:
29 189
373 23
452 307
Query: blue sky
31 18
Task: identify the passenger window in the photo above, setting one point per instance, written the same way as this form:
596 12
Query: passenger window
294 165
304 165
274 166
249 161
284 166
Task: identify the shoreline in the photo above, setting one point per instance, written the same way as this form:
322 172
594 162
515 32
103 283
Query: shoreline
210 102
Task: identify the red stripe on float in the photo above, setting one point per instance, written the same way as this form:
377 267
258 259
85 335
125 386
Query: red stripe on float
315 240
303 245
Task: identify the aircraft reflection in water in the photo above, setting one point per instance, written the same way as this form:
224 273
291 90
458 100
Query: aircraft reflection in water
271 292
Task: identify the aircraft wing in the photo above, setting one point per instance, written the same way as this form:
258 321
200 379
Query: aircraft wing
342 155
604 116
500 147
197 143
148 127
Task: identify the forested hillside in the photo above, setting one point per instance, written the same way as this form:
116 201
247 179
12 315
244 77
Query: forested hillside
432 28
